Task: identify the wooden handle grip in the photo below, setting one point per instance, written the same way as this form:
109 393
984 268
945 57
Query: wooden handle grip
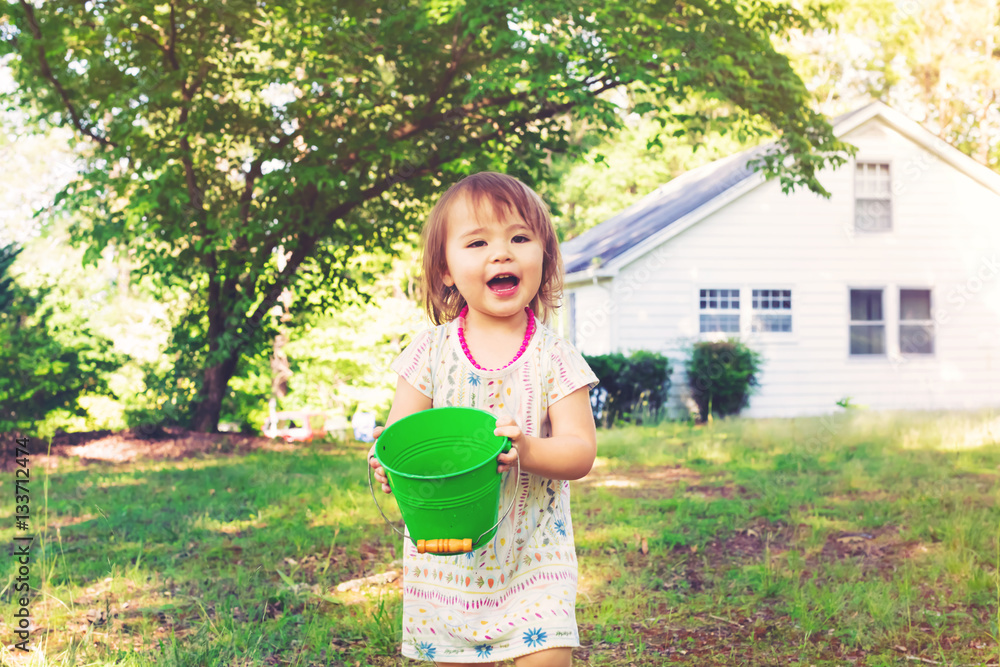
443 546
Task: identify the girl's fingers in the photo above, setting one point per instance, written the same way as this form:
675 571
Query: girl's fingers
512 432
506 461
509 456
378 470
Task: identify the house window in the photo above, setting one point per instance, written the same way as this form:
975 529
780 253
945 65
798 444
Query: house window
916 328
719 310
867 326
772 310
872 197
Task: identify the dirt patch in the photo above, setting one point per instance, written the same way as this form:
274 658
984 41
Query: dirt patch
724 491
668 473
168 443
877 549
750 543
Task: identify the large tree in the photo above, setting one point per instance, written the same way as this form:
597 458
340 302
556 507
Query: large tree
937 61
225 131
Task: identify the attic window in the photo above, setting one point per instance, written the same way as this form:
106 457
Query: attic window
872 197
719 310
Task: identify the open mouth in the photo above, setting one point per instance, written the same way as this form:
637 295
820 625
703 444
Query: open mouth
504 284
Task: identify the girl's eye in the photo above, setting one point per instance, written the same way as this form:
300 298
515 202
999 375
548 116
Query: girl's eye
523 239
476 244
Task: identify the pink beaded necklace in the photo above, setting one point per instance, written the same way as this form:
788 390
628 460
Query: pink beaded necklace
524 344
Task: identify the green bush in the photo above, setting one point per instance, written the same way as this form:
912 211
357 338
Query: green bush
722 375
634 387
49 357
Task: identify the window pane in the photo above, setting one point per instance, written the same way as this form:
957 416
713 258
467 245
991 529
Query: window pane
867 339
772 322
866 305
728 299
916 339
914 304
770 299
724 323
872 179
872 215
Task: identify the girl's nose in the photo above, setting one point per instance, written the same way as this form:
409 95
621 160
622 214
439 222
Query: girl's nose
501 253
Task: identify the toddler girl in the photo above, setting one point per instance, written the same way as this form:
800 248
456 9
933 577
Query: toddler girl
492 273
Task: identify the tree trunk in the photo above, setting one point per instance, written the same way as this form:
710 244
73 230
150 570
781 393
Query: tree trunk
213 391
217 376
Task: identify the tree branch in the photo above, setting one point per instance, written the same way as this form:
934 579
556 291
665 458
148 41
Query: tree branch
43 62
457 52
308 242
172 42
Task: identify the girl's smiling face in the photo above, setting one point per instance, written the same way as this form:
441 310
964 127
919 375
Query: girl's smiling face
495 264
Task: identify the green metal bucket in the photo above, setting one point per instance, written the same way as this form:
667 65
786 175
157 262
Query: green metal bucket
442 468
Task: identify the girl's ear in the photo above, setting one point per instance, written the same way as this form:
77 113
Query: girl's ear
448 280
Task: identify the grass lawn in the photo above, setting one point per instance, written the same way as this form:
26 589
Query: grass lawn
857 539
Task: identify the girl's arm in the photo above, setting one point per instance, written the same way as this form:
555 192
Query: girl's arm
406 401
569 453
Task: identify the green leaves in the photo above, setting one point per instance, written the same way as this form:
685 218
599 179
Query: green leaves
721 376
48 357
631 387
222 132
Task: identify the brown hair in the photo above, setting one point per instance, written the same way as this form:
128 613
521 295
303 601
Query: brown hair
505 195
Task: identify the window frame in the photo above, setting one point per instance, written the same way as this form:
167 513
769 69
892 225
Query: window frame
720 311
873 160
790 312
851 322
930 322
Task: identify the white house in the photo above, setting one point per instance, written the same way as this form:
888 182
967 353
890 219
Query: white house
888 292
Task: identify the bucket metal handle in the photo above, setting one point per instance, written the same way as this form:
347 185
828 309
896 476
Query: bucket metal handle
441 544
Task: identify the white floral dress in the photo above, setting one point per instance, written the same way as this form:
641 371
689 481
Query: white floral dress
516 595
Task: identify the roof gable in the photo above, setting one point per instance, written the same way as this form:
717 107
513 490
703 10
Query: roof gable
685 200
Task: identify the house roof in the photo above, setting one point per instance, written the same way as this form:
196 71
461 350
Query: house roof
663 206
674 206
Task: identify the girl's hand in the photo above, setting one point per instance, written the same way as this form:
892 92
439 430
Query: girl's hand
374 464
507 427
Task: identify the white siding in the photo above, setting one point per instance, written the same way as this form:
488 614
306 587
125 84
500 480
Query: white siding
945 238
594 313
